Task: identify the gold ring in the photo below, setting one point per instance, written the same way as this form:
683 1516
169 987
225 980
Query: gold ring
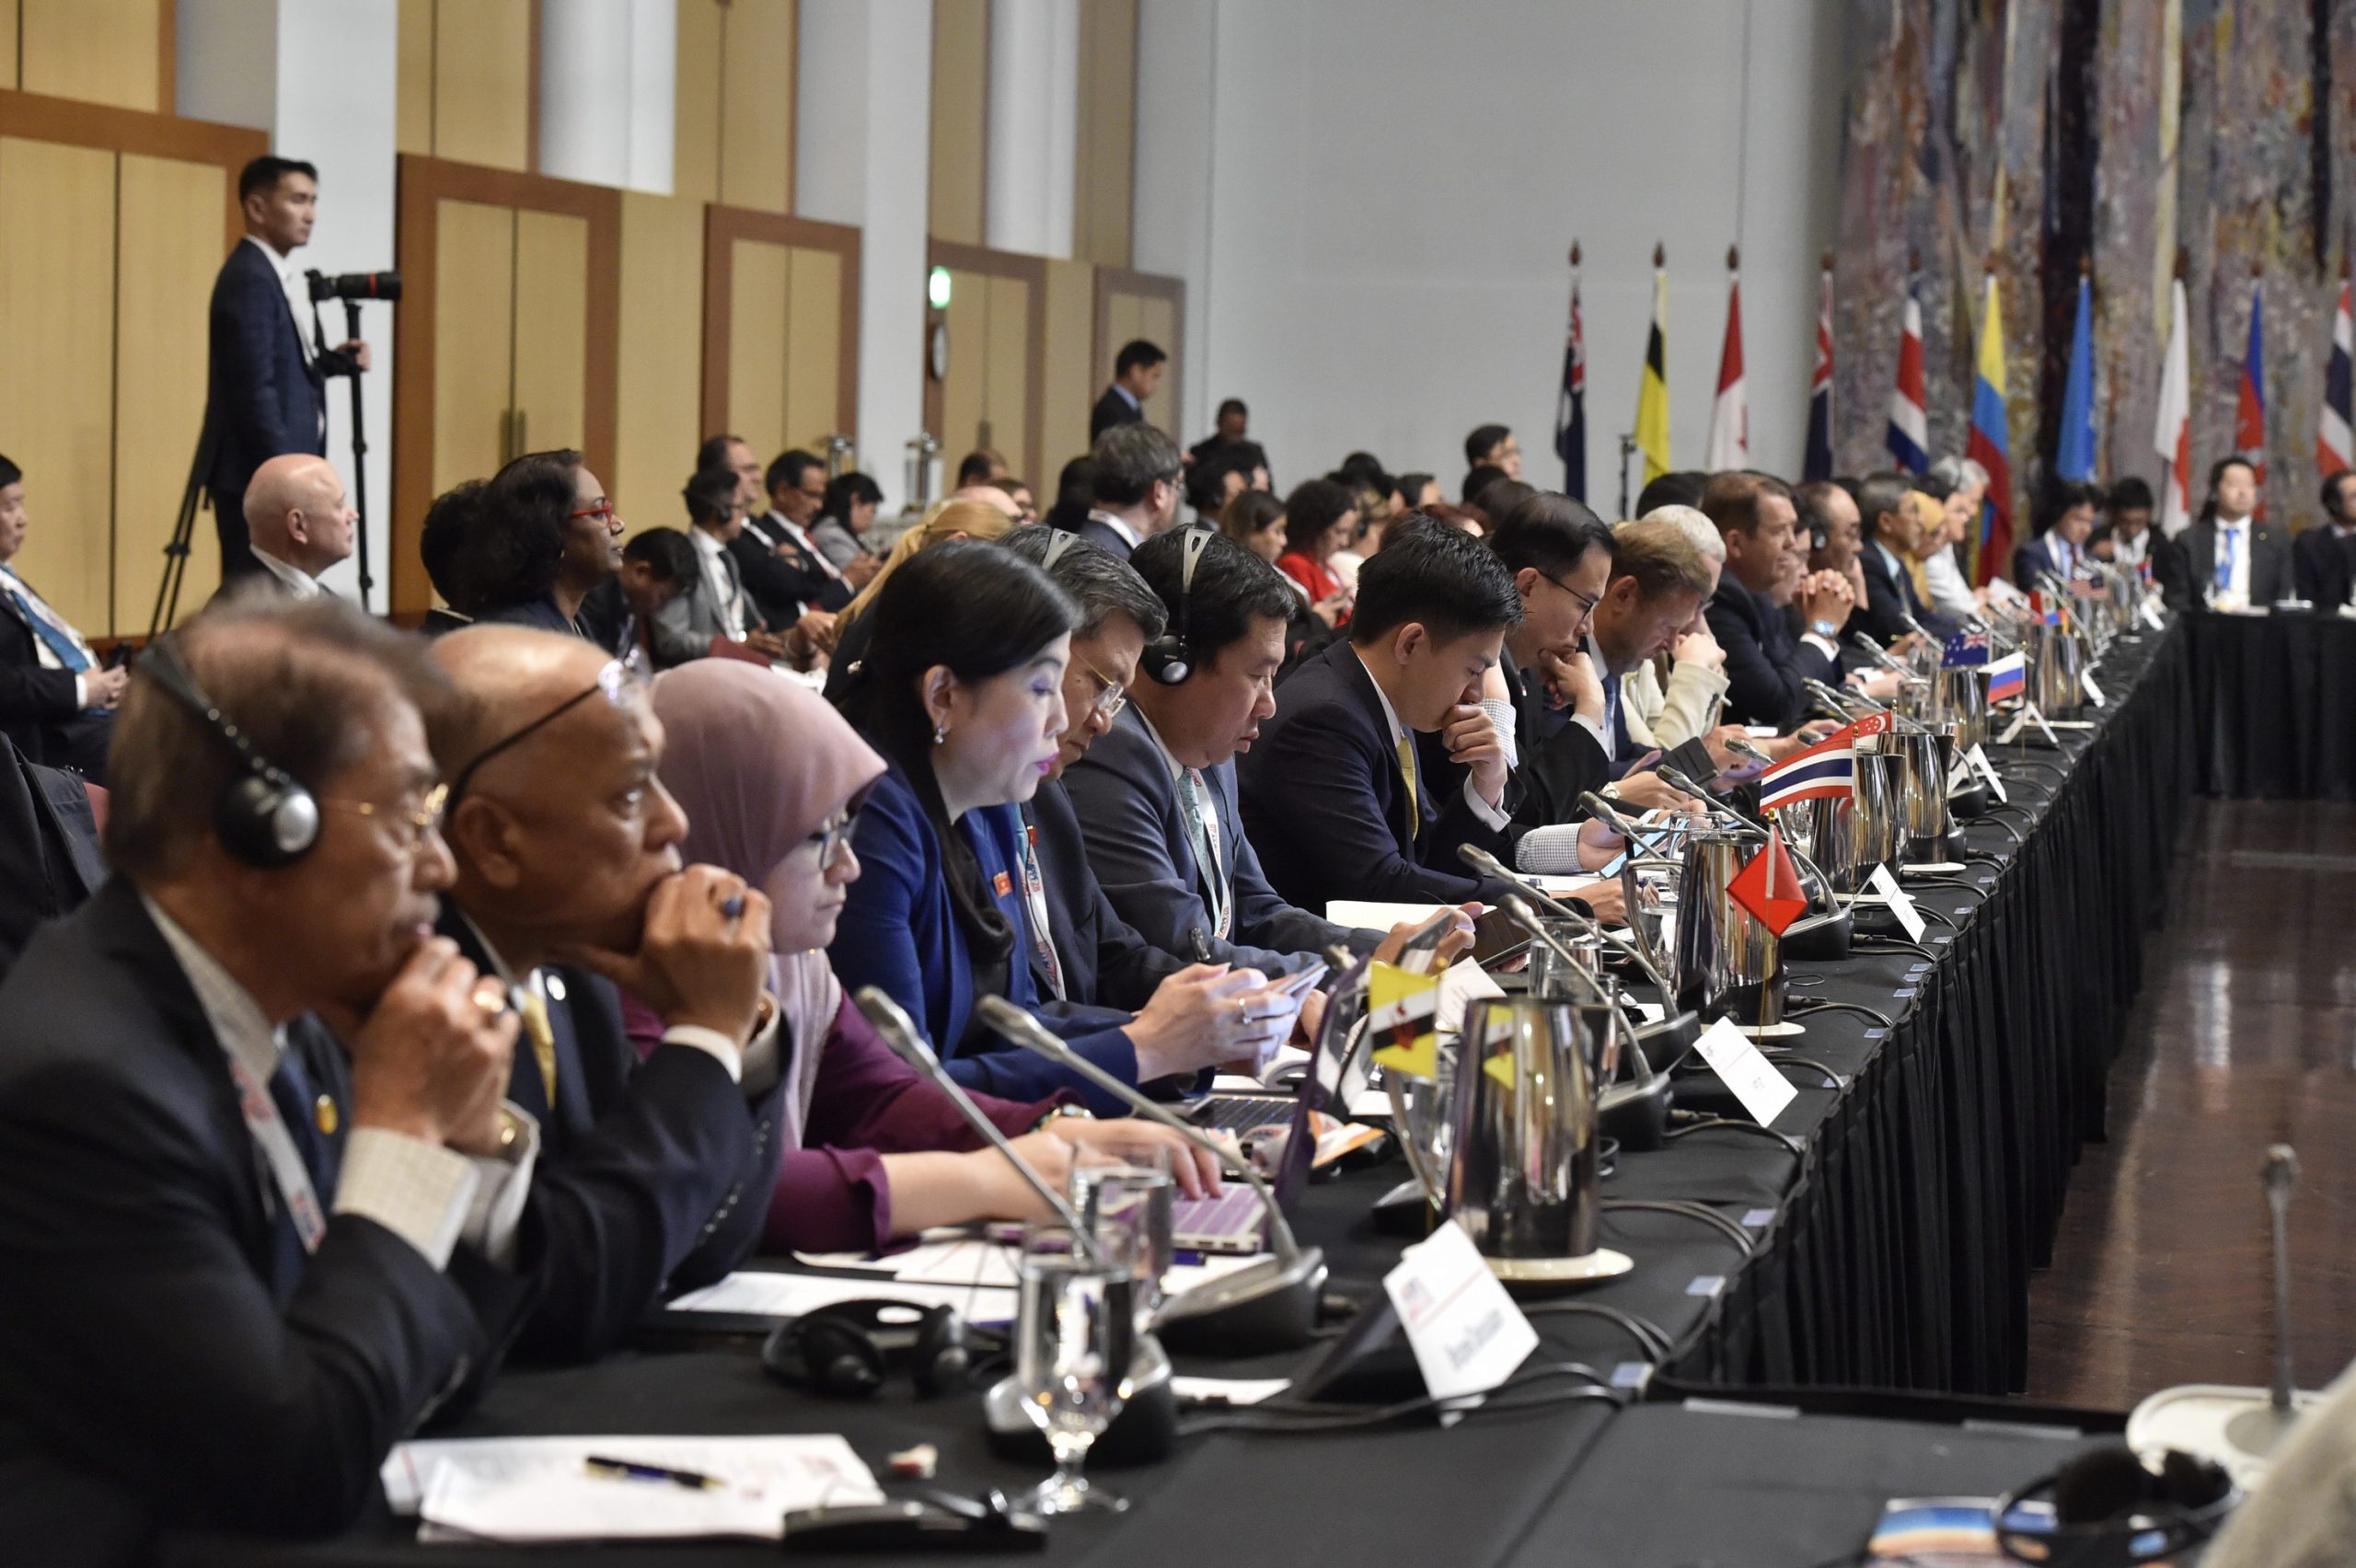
490 996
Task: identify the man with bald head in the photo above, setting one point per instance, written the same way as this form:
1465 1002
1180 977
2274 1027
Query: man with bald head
298 521
242 1263
654 1176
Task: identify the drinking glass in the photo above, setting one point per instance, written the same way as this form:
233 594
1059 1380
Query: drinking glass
1126 1193
1076 1334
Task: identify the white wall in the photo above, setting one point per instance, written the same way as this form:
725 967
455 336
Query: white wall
1395 187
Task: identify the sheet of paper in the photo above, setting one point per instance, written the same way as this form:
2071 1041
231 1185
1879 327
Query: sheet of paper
538 1488
2094 692
1461 984
1373 916
1228 1390
771 1294
1978 756
1900 900
2151 613
1467 1334
1753 1078
2013 729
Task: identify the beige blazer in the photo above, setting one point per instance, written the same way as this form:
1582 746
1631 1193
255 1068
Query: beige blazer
1666 718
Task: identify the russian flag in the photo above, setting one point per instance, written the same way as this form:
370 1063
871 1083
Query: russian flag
2007 677
1910 426
1827 770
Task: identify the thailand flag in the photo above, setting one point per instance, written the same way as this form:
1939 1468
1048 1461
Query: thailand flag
2007 677
1965 650
1910 426
2335 446
1827 770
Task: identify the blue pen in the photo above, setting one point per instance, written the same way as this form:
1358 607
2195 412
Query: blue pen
631 1470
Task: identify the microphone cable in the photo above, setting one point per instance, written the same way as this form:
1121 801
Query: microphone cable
1807 1005
1277 1416
1690 1209
1702 1123
1649 1335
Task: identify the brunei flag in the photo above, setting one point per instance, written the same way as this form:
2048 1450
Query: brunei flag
1652 397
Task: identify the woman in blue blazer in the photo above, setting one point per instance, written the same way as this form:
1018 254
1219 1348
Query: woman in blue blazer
962 692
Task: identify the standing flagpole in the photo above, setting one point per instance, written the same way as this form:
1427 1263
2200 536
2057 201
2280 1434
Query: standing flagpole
2074 457
1818 462
1908 439
1991 444
2249 414
1729 446
1570 412
2172 437
2335 442
1652 393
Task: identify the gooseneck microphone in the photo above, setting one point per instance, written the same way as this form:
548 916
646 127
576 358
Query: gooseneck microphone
1481 861
1270 1305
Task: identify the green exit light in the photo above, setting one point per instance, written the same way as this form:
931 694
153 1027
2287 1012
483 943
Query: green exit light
936 288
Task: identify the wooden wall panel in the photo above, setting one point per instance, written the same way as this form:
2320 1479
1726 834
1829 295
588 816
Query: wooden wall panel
1071 381
551 330
1144 305
813 340
1006 399
96 51
474 338
757 105
169 213
9 15
1158 322
961 75
413 79
757 345
56 402
964 389
695 151
661 358
482 83
1105 155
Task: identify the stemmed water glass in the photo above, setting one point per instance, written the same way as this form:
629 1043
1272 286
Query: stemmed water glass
1076 1335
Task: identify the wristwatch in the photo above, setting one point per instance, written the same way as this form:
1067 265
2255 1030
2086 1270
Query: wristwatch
1066 1111
1824 629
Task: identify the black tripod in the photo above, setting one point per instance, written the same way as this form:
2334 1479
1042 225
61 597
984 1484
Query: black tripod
167 592
359 456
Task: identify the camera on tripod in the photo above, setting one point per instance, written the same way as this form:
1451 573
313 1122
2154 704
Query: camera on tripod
385 286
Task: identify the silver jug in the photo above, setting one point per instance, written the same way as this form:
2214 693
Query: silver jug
1726 959
1959 697
1926 826
1521 1172
1848 835
2057 661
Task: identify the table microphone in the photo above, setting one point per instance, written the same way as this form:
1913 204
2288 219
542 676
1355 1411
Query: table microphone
1749 753
1844 705
1881 656
1677 780
1637 1106
1270 1305
1603 811
1481 861
894 1027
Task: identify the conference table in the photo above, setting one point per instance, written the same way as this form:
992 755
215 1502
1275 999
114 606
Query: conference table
2276 694
1945 1089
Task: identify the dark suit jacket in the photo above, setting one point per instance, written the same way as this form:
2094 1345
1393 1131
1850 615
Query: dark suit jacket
1885 596
2033 561
1323 800
654 1177
899 932
1144 857
784 585
540 613
1097 532
34 702
1105 961
262 398
1765 664
158 1361
2169 573
1560 759
49 848
2323 565
1112 408
2269 561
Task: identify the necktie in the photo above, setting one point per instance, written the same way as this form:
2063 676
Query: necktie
69 652
2226 541
290 1091
1407 775
1190 806
535 1008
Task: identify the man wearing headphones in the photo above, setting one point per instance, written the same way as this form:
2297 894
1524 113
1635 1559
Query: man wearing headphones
238 1273
1156 793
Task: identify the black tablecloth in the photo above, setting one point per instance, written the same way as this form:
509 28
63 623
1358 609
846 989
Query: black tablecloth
1896 1253
2277 696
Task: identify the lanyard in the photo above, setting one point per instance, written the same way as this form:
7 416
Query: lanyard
1035 896
1190 806
277 1146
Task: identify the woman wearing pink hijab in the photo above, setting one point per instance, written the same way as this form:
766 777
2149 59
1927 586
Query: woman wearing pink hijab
769 777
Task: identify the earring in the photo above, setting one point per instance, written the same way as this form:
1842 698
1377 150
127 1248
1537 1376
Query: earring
940 732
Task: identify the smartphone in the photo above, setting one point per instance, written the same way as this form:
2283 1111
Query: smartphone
1496 938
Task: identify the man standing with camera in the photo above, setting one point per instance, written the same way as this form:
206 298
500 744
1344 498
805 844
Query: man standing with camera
266 395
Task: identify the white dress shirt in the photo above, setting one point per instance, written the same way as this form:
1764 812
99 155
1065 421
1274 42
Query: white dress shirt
1494 815
430 1197
296 287
2131 552
1118 524
299 582
719 576
1949 593
800 535
45 656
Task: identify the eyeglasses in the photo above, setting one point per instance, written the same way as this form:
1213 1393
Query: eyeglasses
618 683
414 825
1110 695
604 512
1586 605
832 838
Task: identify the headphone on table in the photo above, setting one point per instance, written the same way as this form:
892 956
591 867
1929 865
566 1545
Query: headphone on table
263 816
849 1348
2111 1507
1171 657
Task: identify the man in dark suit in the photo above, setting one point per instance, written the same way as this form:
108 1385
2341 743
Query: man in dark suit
236 1276
1229 441
783 583
1380 761
56 704
2236 558
266 389
1138 479
2063 546
49 848
2127 538
1137 376
653 1176
1766 663
1894 521
2323 558
1179 867
717 613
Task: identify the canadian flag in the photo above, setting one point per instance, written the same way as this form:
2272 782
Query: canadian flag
1730 415
2172 436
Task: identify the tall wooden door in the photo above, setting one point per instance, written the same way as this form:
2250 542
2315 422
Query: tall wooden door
995 320
780 331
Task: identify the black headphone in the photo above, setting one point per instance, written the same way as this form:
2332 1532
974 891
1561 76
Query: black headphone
849 1348
263 817
2111 1507
1171 657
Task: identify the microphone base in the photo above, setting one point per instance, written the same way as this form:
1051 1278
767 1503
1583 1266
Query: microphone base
1263 1307
1145 1432
1819 938
1405 1211
1969 803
